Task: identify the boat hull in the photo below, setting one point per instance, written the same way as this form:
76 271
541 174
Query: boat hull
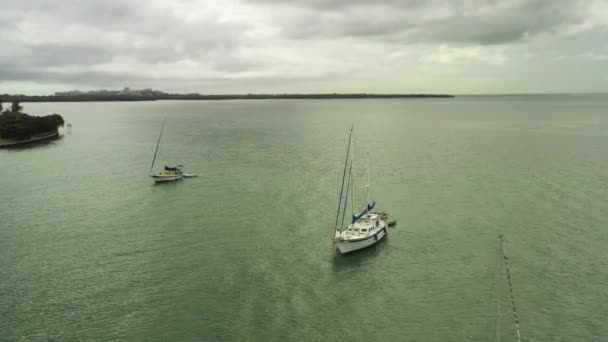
347 246
161 179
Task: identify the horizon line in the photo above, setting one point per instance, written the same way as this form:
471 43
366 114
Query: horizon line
85 93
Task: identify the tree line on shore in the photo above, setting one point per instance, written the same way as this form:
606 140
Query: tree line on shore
16 125
195 96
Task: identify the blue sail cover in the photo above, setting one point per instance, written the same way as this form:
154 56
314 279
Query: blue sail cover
361 214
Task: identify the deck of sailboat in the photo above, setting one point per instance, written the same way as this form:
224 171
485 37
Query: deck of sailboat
363 228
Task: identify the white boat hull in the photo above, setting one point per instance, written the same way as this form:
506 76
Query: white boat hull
160 179
347 246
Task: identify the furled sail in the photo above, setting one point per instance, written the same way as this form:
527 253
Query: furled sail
370 206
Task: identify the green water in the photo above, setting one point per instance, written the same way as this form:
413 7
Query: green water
90 249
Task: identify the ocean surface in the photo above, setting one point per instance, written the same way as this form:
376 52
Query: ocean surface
92 250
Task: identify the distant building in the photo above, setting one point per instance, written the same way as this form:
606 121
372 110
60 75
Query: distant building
126 91
69 93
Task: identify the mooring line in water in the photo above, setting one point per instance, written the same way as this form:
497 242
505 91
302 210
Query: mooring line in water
498 286
512 299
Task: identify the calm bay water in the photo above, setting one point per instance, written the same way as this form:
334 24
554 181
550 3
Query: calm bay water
90 249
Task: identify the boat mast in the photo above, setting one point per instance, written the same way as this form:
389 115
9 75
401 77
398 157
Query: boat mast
498 286
157 144
350 171
343 178
367 185
354 197
352 201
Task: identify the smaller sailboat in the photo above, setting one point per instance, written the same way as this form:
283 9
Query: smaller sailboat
366 228
169 174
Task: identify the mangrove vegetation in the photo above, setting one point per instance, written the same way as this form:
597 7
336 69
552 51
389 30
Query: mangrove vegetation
18 126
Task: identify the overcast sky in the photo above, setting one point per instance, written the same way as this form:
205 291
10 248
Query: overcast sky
247 46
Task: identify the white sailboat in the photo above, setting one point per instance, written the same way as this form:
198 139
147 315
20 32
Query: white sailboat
169 174
366 228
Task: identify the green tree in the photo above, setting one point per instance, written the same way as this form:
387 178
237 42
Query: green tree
57 120
16 108
20 126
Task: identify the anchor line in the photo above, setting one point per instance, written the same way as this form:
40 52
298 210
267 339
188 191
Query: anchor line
515 317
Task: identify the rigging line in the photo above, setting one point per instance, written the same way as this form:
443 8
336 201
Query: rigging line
157 144
343 177
353 184
346 197
368 176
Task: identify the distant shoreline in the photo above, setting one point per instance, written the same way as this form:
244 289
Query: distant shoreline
115 98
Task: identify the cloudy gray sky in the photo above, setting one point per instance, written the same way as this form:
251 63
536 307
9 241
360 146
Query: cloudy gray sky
241 46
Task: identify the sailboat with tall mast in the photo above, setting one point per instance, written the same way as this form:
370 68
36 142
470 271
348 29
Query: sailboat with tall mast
169 174
366 228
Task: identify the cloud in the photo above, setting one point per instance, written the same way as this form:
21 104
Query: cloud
277 45
153 32
54 55
588 56
338 5
482 22
58 76
446 55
